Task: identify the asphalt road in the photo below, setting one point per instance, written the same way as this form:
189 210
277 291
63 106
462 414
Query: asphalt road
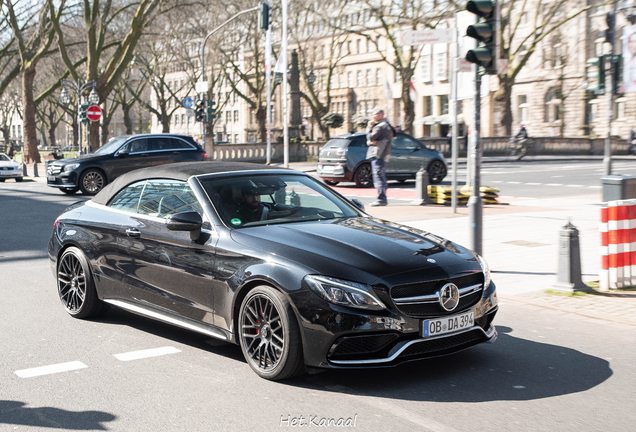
548 370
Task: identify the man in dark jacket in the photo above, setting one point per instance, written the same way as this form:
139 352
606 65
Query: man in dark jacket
380 135
523 133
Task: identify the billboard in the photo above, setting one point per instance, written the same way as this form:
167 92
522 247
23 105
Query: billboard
629 58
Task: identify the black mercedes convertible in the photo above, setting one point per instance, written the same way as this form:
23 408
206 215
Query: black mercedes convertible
275 261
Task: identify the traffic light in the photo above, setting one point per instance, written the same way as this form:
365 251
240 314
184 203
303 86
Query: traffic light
596 75
200 110
618 73
83 113
264 16
485 31
210 113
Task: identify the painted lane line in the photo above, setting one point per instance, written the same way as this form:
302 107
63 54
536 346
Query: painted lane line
154 352
513 182
595 187
554 184
534 184
51 369
574 185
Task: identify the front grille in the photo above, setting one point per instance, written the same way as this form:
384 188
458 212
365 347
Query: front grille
354 345
425 308
53 170
449 343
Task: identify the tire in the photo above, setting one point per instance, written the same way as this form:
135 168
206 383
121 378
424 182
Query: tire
269 335
436 171
19 179
69 191
363 176
331 182
75 285
2 180
92 181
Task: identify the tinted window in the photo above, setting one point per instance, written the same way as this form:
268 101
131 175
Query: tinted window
338 142
359 142
404 143
162 198
180 144
165 143
137 146
128 198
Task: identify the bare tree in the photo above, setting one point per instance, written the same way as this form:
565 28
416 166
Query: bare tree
49 115
517 41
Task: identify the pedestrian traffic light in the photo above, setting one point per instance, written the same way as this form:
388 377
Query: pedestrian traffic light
485 31
210 113
200 110
264 16
83 113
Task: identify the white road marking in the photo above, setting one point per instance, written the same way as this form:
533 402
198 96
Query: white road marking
595 187
513 182
534 184
557 176
575 185
154 352
51 369
554 184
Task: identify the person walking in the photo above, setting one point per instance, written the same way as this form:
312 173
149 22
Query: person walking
380 135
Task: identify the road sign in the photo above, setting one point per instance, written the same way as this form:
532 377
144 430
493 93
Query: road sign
422 37
201 87
187 102
464 65
94 113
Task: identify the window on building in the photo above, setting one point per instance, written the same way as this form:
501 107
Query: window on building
359 46
428 105
378 76
183 120
228 116
523 108
349 47
620 108
359 78
236 138
350 79
441 65
552 107
369 78
443 104
236 116
425 66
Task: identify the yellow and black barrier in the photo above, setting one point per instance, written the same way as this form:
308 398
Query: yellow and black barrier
443 194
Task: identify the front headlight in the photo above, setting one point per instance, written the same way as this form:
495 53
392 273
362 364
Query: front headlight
70 167
486 270
344 293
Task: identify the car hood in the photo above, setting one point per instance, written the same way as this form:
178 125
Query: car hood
9 164
365 249
79 159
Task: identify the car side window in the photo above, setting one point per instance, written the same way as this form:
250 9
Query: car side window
402 142
358 142
162 198
161 143
127 199
180 144
136 146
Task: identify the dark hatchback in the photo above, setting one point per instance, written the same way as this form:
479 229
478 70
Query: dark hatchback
305 281
90 173
344 158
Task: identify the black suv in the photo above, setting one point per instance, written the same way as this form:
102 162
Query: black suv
90 173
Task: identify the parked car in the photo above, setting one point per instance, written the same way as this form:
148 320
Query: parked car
306 280
9 169
90 173
344 158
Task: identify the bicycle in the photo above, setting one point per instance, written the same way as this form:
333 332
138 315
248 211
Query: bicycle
520 147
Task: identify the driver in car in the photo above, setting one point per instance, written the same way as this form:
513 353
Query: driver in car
250 208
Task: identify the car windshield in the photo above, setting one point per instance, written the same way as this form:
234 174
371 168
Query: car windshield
111 146
4 158
251 200
338 143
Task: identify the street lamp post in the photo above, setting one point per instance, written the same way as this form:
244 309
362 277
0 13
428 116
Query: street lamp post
79 87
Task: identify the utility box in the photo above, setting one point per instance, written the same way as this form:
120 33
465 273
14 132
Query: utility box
618 187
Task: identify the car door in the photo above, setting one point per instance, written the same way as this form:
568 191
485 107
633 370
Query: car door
170 270
133 155
169 150
399 161
417 156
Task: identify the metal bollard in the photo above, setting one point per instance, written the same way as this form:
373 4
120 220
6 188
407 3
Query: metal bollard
569 274
35 169
421 188
24 170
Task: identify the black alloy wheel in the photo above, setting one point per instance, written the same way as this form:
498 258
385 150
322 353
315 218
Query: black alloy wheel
331 182
436 171
2 180
269 334
363 176
92 181
69 191
75 285
19 179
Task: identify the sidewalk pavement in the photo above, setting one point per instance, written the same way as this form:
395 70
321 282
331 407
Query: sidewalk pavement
520 242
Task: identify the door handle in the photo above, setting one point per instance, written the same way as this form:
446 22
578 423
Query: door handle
133 232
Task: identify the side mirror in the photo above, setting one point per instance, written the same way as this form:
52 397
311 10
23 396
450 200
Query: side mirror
186 221
357 204
123 152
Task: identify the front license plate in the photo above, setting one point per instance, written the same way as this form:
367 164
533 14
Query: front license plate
50 179
448 324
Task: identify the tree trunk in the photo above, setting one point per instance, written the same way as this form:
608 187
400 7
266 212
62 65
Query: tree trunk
93 128
506 99
6 133
75 128
261 119
105 124
409 105
52 139
31 153
127 120
165 124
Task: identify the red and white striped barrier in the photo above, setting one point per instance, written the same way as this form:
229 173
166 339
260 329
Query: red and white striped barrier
618 245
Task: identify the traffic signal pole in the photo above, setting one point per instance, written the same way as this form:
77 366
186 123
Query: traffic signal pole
475 204
609 90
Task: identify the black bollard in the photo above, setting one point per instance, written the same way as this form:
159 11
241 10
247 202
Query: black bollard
421 188
35 169
569 275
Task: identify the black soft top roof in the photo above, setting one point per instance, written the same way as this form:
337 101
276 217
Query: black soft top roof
178 171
